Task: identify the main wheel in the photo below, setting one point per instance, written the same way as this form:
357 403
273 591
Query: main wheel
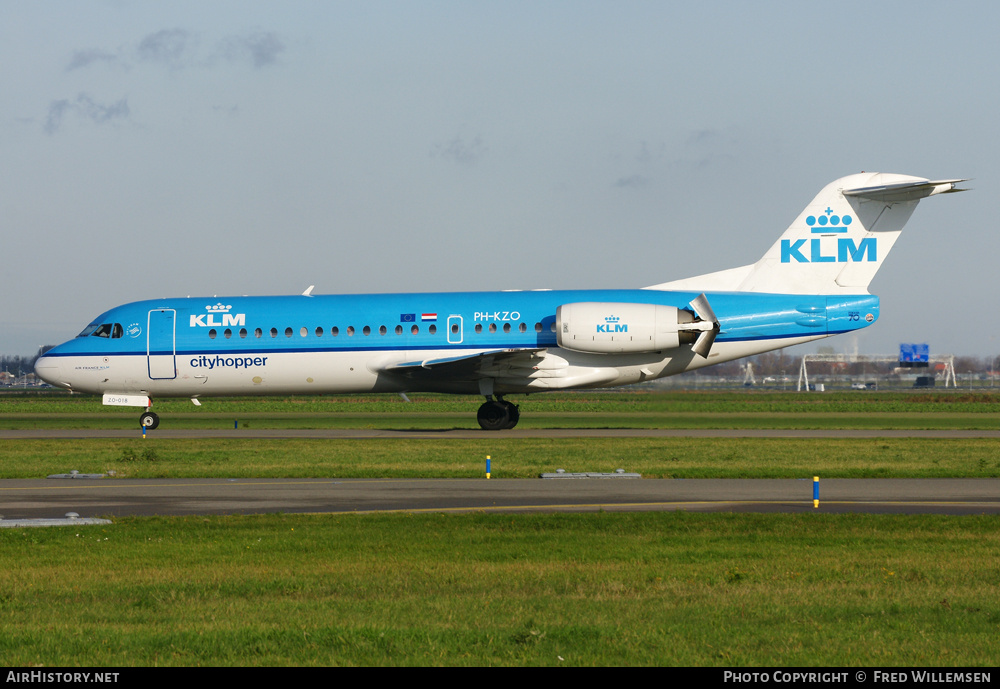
513 414
149 420
493 416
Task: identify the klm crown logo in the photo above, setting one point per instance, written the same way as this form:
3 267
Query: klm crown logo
219 308
829 249
828 222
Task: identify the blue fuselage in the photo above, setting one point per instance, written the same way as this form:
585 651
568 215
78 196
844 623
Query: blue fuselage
194 346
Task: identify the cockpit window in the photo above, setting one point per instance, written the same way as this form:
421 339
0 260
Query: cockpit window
112 330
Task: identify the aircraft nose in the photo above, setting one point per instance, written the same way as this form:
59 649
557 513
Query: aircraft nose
49 369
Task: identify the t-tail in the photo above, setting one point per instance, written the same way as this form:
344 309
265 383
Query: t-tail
837 243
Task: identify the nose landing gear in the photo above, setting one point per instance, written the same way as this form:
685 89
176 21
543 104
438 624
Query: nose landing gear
149 420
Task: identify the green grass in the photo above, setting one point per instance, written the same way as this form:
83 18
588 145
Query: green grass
510 458
668 588
158 456
618 409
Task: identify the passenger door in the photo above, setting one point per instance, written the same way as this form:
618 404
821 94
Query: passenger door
161 344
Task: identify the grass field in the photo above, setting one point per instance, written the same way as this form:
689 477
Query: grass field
619 409
517 457
670 588
510 458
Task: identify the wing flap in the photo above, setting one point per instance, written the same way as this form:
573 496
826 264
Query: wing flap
469 368
464 362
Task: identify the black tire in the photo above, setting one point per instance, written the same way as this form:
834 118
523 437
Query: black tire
149 420
493 416
513 414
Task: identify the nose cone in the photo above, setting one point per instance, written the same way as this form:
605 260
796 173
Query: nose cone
49 369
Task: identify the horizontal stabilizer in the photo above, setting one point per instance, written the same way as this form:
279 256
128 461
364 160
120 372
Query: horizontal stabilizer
908 191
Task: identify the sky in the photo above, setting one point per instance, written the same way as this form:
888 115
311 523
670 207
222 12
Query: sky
154 149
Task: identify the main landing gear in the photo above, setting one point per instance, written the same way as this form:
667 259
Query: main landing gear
149 420
496 415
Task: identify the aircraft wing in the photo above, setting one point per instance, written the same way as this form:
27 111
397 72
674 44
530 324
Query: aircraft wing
482 366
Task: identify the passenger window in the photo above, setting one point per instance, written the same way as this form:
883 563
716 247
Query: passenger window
212 334
506 327
228 333
243 333
288 332
319 332
399 330
523 328
274 332
493 327
433 329
350 331
334 331
367 331
382 330
538 327
304 331
415 330
454 328
479 327
258 333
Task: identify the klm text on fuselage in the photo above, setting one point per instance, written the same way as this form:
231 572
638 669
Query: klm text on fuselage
208 320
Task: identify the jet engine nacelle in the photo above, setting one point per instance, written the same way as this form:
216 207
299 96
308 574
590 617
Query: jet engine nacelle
610 328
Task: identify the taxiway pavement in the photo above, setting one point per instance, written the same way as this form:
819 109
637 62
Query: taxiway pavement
102 497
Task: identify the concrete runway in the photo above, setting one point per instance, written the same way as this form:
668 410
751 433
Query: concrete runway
49 498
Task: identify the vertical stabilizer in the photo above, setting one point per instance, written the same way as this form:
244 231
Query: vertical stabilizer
836 245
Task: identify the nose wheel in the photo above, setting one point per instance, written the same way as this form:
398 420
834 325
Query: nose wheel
497 415
149 420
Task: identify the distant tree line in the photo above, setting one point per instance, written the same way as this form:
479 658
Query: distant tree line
781 363
17 365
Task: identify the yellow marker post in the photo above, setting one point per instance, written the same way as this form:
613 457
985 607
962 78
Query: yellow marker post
815 491
487 466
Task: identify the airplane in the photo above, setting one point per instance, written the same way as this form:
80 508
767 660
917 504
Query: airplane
811 284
